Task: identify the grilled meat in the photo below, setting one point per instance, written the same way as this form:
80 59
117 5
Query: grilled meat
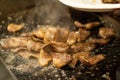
14 42
86 58
106 32
78 36
82 47
83 35
28 54
44 57
75 58
18 49
61 35
14 27
39 33
100 41
59 46
61 59
73 36
87 25
34 46
50 35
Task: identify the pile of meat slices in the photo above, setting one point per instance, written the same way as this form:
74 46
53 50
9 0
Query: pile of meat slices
60 46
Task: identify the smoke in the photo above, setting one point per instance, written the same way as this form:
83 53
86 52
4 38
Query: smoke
49 12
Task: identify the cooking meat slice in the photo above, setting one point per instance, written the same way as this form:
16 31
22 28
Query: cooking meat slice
95 59
44 57
50 35
40 32
18 49
48 48
84 34
61 35
60 46
34 46
45 54
56 34
60 59
72 38
100 41
89 25
82 47
14 27
78 24
106 32
78 36
27 54
86 58
36 39
24 35
75 58
14 42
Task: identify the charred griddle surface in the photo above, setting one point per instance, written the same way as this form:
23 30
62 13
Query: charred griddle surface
27 69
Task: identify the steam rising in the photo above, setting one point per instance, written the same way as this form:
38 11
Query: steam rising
49 12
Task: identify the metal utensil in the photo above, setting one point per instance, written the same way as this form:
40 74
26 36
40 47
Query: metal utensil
6 74
118 74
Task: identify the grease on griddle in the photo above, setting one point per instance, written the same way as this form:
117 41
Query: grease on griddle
58 49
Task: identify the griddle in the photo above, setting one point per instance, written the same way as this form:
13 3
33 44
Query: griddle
27 69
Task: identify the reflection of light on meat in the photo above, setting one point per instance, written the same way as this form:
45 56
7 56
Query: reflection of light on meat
14 27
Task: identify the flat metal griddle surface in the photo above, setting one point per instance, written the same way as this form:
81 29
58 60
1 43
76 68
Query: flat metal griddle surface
27 69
